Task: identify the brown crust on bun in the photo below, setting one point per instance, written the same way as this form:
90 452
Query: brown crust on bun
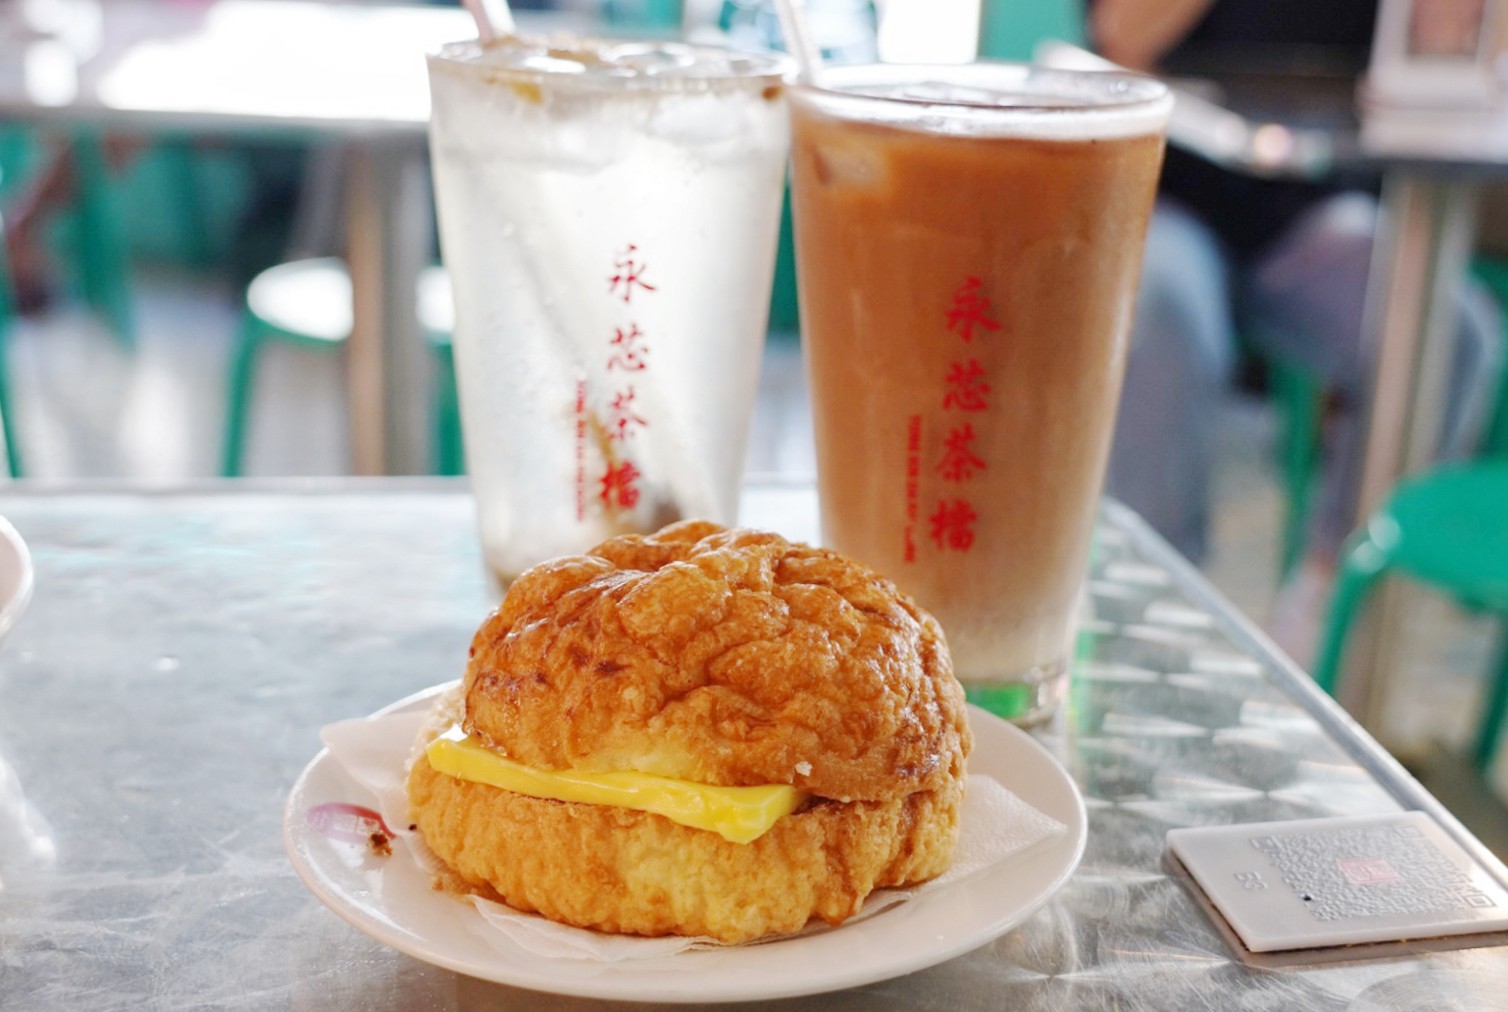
722 656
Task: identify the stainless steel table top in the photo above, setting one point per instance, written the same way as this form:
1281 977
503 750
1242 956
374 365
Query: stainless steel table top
167 683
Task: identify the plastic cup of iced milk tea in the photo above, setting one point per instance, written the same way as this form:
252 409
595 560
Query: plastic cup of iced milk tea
608 215
968 243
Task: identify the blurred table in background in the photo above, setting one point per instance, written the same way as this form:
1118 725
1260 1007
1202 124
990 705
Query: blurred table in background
183 648
266 69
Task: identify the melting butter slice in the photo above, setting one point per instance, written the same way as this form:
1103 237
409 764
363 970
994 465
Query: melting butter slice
737 814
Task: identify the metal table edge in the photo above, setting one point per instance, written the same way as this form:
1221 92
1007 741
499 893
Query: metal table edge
284 485
1302 689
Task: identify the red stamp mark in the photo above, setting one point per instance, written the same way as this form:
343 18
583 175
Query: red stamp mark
1367 871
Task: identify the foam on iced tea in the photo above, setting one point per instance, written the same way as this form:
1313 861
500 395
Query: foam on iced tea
966 299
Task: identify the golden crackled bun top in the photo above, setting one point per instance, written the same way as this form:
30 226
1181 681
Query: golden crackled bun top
722 656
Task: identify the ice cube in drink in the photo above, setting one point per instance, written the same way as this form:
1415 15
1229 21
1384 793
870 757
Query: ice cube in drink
608 213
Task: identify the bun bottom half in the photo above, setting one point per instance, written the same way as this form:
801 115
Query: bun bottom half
618 870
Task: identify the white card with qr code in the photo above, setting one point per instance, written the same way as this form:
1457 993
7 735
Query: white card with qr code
1312 883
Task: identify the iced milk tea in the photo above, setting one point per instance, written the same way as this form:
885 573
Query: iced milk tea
968 249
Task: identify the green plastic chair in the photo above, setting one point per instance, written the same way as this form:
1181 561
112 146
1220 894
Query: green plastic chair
1300 398
7 313
437 318
1012 29
101 225
98 239
307 303
1446 528
91 239
1492 272
649 17
16 155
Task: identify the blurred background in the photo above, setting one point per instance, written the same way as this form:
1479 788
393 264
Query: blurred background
180 204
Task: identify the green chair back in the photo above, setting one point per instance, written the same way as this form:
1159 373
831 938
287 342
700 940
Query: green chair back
1492 271
785 313
1300 402
7 296
307 304
7 312
1012 29
17 153
648 17
1447 528
99 242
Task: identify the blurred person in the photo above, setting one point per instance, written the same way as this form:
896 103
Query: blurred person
1282 263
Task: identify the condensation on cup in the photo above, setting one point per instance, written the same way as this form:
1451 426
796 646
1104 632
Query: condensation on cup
969 243
608 215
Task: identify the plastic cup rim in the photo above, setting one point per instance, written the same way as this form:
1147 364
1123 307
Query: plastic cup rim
850 82
765 68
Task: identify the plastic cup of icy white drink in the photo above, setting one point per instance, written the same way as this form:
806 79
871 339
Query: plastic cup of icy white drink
968 245
608 215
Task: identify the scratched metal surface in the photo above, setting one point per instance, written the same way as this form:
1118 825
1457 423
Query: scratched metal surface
167 683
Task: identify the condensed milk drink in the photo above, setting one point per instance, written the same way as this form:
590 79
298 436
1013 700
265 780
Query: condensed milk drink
608 214
968 245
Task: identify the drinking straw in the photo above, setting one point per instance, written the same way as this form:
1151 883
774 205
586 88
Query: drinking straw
493 17
798 40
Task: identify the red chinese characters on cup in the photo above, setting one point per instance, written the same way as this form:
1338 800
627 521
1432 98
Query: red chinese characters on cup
630 275
970 309
627 356
628 349
620 485
624 419
966 391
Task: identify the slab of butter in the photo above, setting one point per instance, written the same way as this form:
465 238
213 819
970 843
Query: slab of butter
737 814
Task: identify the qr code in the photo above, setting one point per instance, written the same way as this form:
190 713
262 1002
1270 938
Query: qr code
1370 871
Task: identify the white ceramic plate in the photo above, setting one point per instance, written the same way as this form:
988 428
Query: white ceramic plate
15 576
391 899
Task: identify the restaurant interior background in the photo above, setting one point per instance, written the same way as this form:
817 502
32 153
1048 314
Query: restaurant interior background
92 398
